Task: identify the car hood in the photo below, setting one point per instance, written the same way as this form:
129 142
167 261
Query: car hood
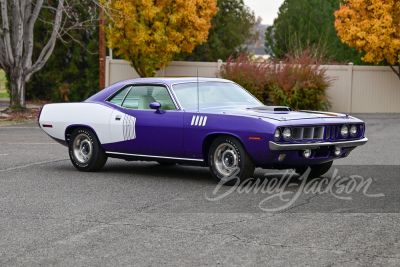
274 113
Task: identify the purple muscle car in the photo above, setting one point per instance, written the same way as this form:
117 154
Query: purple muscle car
201 121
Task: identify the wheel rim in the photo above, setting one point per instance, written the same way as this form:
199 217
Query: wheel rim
226 159
83 148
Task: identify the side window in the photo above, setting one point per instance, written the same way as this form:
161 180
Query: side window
140 97
132 99
118 97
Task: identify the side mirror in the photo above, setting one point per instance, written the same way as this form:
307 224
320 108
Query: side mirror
156 106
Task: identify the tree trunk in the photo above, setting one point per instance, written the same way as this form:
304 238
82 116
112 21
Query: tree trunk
17 92
16 43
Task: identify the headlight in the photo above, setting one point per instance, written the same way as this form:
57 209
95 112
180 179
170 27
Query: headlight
287 134
277 135
344 132
353 130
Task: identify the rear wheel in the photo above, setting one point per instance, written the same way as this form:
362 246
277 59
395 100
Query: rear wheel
316 170
85 151
229 161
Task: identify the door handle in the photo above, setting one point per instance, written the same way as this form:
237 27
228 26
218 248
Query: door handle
118 117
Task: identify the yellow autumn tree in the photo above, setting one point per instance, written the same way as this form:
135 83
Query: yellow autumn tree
149 32
373 27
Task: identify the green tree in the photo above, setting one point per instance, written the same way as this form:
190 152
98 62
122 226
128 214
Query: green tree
230 29
72 71
304 24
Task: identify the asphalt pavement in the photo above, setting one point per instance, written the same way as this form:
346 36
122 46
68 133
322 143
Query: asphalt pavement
145 214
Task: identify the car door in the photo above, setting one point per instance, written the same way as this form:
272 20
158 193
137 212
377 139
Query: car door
137 129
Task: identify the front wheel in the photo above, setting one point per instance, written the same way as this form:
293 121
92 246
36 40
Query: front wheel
316 170
228 160
85 151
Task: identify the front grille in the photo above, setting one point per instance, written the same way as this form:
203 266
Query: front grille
308 133
319 133
297 133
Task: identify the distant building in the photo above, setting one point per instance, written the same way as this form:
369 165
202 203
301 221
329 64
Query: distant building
258 46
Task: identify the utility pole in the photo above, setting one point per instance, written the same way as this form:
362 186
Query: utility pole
102 50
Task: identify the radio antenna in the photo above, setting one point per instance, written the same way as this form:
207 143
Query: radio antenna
198 94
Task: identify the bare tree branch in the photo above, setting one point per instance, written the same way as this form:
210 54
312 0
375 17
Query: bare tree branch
18 18
394 70
6 32
30 21
48 49
79 25
76 41
106 10
3 60
17 31
27 16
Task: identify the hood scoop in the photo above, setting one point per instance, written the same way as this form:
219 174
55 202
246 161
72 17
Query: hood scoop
271 108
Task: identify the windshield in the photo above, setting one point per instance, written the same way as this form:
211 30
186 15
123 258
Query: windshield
213 94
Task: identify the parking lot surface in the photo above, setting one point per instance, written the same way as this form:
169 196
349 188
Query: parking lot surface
145 214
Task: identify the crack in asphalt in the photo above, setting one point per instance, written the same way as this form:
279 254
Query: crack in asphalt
30 165
147 207
307 201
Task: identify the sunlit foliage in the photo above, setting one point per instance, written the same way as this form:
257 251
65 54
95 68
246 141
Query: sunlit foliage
149 33
372 27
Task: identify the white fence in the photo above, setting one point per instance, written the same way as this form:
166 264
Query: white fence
356 89
364 89
118 70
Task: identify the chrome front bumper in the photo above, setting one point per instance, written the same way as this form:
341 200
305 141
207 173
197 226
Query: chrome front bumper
342 144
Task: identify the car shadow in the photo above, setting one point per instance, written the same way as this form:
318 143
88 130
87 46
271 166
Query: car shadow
155 170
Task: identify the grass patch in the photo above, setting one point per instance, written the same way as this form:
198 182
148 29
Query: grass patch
3 81
4 95
18 121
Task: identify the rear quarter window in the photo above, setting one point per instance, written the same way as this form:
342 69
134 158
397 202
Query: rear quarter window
119 96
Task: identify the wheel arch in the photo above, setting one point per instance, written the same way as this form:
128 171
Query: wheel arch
209 139
70 129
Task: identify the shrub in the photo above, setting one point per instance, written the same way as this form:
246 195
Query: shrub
299 83
250 74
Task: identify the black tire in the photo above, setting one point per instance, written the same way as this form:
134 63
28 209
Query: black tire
85 151
316 170
229 161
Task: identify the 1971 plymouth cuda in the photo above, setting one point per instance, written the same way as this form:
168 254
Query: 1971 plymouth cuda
201 121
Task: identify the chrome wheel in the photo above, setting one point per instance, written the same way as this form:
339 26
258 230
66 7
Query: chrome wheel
226 159
83 148
229 161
